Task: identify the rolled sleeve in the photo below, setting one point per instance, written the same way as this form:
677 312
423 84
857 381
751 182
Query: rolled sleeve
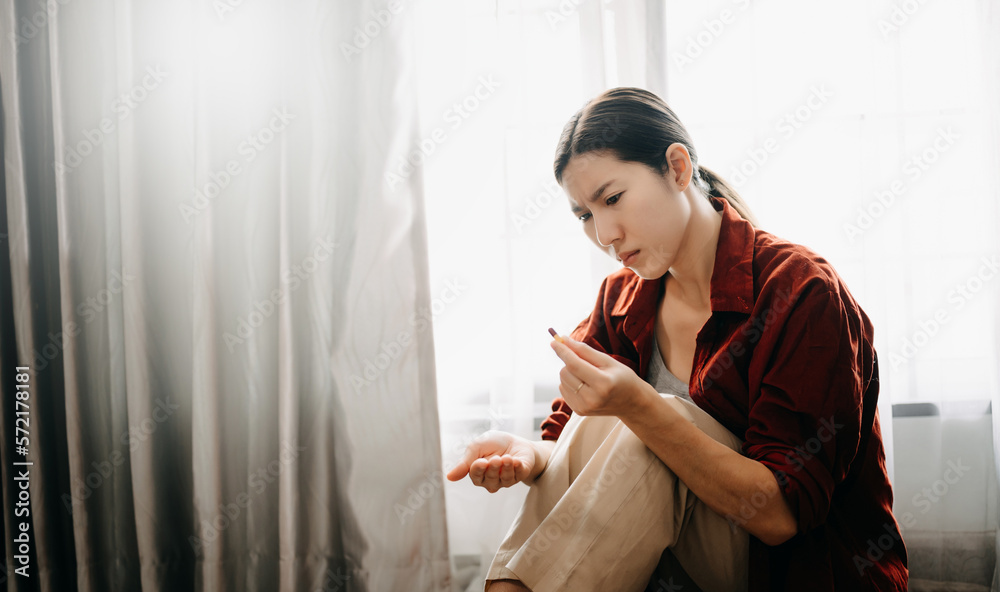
556 421
805 423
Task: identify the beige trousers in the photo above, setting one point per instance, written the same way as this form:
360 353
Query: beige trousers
607 514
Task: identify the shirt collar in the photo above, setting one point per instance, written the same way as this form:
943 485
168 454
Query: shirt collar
732 275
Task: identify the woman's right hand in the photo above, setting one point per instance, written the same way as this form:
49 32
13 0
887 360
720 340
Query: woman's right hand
496 459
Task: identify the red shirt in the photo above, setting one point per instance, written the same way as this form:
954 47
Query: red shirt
786 363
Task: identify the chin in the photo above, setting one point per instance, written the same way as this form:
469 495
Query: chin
647 274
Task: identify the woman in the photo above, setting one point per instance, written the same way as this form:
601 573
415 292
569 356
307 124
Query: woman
717 423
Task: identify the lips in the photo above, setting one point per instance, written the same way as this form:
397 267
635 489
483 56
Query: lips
627 257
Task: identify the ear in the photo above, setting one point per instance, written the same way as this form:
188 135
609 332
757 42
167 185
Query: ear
679 161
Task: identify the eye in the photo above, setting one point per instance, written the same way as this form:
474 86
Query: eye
610 201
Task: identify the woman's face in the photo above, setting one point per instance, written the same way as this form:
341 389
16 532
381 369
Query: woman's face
628 210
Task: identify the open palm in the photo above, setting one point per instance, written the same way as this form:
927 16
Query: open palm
495 459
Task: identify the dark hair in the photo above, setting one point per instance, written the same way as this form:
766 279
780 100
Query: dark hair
637 126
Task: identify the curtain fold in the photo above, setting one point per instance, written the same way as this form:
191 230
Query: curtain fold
989 13
623 44
216 288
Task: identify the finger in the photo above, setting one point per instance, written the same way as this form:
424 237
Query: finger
568 379
521 472
477 472
579 367
472 452
570 396
568 384
493 471
475 450
516 469
491 477
458 471
588 353
507 472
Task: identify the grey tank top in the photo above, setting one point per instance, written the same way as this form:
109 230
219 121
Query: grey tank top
662 379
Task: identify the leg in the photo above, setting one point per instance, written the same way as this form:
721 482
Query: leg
714 553
598 517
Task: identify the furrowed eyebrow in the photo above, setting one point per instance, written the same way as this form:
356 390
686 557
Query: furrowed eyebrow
594 197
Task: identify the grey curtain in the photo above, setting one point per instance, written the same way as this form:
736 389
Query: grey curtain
989 11
214 269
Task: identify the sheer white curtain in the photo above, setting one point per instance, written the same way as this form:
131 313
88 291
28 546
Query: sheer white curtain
498 80
866 131
219 283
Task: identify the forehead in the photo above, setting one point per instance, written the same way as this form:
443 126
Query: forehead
587 175
589 163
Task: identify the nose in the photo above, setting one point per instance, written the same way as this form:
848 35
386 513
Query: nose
606 228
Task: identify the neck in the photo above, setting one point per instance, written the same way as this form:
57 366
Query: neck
691 276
